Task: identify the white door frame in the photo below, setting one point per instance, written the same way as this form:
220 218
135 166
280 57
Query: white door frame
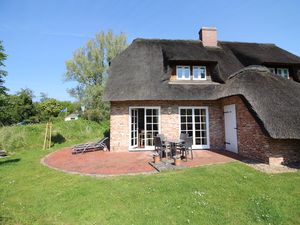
194 146
230 128
159 127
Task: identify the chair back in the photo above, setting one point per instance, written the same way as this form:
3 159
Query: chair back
162 137
188 142
157 142
183 136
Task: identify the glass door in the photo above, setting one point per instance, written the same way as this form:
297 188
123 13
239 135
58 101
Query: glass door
151 125
134 128
194 121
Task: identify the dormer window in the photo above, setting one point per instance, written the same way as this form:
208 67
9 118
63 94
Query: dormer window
283 72
199 73
183 72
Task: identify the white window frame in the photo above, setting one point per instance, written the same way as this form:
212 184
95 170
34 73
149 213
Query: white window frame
282 69
131 148
199 77
183 78
207 146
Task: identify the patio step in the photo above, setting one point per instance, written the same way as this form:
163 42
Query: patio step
165 165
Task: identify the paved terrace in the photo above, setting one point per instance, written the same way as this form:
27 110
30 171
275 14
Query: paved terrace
100 163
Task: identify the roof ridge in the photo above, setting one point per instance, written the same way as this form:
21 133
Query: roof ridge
197 41
239 42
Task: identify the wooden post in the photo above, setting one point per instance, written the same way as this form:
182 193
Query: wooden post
48 134
45 139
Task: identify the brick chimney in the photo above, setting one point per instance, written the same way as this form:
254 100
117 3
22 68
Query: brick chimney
208 36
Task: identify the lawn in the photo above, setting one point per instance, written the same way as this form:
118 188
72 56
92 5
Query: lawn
233 193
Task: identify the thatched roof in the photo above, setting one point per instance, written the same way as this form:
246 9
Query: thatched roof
142 72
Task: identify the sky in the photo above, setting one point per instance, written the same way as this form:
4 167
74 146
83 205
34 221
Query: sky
40 35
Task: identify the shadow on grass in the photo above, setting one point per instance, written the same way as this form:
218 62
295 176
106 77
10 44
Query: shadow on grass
58 138
9 161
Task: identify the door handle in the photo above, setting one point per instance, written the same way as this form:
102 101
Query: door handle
227 143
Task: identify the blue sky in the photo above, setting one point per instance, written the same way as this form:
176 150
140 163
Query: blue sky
39 36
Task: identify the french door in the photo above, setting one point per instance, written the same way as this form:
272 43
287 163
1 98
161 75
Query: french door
144 126
134 128
194 121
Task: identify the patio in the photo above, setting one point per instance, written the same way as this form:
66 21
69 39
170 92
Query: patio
100 163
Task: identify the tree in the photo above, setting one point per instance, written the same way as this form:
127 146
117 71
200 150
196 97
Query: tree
3 73
43 96
89 68
23 105
48 109
3 89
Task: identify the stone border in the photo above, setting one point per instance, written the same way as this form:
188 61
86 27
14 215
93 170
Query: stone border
43 162
269 169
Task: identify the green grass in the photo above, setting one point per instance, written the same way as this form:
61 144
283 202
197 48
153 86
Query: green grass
233 193
22 138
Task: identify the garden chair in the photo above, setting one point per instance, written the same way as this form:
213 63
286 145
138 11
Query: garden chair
160 148
82 148
187 149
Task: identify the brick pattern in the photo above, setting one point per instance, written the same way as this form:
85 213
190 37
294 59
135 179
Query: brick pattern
208 36
252 142
119 121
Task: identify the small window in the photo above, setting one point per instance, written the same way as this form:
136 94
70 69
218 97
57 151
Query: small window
199 72
183 72
272 70
283 72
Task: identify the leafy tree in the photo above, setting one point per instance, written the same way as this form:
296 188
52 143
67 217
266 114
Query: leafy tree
89 68
43 96
3 73
48 109
3 97
23 105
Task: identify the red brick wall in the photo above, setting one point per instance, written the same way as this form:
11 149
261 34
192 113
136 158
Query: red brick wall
252 142
119 140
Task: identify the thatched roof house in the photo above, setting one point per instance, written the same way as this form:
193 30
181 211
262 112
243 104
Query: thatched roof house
174 82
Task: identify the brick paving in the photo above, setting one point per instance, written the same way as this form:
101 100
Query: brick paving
121 163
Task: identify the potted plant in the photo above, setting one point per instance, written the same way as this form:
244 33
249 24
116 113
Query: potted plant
156 157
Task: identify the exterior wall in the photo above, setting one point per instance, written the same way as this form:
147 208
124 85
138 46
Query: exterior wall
254 144
119 121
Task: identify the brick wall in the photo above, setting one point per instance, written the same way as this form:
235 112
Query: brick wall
252 142
119 140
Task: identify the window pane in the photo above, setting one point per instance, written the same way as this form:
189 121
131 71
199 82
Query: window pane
203 72
187 72
149 119
196 72
179 71
183 111
148 111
